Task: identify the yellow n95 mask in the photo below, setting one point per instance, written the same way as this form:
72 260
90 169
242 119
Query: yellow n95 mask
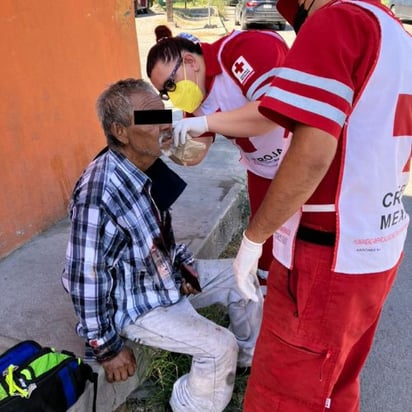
187 96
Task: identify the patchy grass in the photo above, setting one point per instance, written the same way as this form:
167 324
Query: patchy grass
232 247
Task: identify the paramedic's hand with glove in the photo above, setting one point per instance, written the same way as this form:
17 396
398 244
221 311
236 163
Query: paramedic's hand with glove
193 126
245 268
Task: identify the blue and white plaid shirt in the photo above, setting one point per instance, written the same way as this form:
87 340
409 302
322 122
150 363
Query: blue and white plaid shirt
114 270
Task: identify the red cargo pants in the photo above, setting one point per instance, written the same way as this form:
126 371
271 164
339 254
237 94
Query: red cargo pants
317 331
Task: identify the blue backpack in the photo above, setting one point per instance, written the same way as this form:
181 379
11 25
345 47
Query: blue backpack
35 378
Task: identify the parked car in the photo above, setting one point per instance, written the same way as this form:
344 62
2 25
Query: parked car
402 9
264 12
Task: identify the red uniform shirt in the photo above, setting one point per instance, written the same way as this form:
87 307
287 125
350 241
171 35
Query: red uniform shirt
337 75
253 47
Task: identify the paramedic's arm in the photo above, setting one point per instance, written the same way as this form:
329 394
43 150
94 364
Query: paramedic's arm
305 164
243 122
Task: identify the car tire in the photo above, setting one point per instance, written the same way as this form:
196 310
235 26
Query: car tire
281 26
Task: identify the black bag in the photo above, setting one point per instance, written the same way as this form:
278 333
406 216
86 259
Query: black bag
39 379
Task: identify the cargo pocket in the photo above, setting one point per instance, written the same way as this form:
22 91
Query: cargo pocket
304 372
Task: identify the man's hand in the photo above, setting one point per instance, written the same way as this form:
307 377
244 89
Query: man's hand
190 280
187 289
245 267
121 367
194 126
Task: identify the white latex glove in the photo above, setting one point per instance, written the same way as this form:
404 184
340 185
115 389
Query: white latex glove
193 126
245 267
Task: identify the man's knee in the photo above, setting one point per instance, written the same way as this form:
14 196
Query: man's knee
226 343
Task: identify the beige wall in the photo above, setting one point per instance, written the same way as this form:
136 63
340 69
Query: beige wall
57 56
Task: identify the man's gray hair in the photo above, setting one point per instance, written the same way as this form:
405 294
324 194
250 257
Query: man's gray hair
114 105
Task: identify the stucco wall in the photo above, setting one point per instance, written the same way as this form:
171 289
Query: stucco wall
57 56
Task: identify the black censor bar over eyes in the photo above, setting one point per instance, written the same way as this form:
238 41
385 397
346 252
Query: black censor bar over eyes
153 116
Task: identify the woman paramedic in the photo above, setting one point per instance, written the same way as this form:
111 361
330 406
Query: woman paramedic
202 78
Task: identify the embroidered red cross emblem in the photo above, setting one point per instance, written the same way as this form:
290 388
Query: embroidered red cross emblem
239 67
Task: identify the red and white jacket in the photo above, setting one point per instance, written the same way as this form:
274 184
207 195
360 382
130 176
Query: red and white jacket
371 220
241 80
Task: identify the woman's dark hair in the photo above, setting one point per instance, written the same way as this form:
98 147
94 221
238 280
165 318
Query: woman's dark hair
162 32
168 48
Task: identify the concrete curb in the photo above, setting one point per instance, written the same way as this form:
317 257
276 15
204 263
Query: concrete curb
229 218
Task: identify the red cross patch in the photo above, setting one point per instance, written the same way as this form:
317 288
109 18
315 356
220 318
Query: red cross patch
242 70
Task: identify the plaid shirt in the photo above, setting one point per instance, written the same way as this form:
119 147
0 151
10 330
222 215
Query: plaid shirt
114 270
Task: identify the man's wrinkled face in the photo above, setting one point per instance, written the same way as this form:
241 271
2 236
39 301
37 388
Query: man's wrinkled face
144 138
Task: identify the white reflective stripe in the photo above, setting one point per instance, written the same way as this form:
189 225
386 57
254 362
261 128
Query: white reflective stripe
308 104
319 208
258 94
329 85
255 90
